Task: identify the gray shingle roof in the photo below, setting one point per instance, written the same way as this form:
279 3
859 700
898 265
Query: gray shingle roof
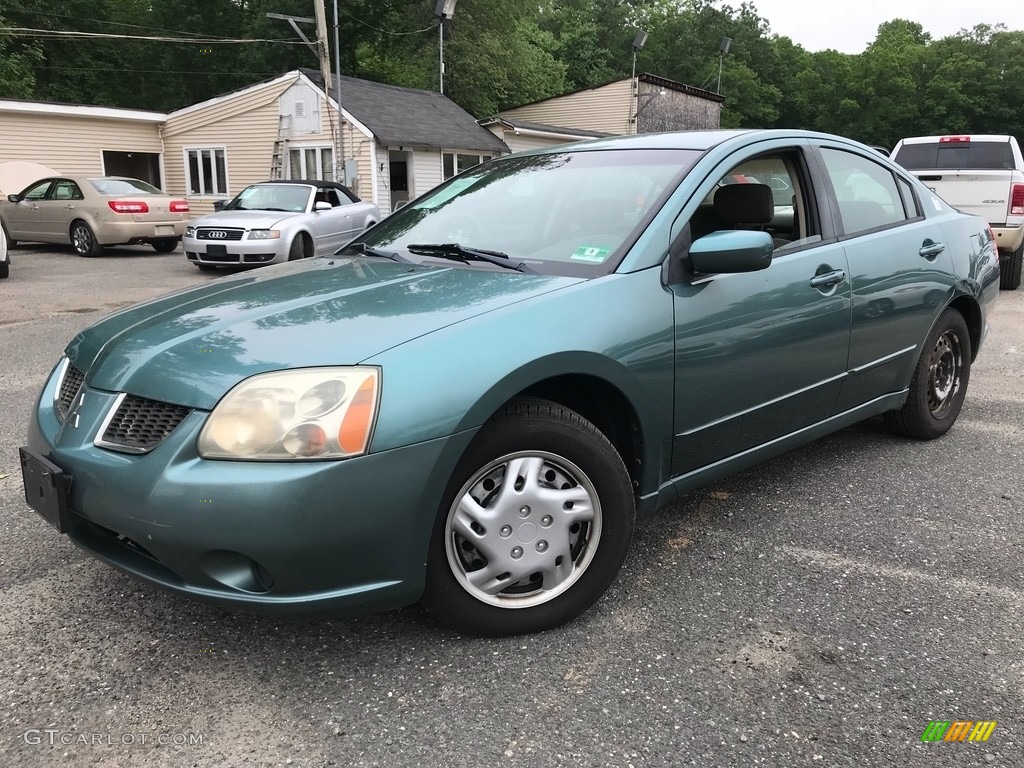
543 128
411 117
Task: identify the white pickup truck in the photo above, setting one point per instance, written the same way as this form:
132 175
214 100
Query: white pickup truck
979 174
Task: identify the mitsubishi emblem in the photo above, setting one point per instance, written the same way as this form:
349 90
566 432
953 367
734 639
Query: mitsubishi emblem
75 408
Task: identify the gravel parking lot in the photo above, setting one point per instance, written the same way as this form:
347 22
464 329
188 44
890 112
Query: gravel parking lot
820 609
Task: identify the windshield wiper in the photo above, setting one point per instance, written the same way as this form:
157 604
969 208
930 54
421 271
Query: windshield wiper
458 252
369 250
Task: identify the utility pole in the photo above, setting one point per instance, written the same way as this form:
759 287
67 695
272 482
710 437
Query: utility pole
323 54
339 159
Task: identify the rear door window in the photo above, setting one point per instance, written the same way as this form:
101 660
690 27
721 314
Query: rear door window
866 192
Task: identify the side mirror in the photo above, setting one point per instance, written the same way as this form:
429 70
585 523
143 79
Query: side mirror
320 205
218 205
14 198
732 251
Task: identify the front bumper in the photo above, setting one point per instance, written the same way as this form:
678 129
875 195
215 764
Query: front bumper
336 536
235 252
1009 238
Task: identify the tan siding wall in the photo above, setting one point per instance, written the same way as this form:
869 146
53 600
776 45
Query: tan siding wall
427 172
248 127
245 126
605 109
72 145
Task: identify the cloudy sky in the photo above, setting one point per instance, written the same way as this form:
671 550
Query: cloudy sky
808 23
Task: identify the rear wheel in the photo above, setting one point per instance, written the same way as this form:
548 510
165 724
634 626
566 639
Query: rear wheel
83 240
939 386
5 268
164 245
1010 268
535 524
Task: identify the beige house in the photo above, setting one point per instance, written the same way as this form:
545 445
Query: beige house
396 143
645 104
75 139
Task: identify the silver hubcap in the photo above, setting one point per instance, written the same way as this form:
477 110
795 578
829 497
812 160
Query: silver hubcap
523 529
944 371
82 239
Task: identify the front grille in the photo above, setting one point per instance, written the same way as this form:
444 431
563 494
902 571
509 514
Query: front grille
222 258
207 233
70 384
139 424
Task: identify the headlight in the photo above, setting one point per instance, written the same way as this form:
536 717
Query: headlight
264 234
190 231
311 413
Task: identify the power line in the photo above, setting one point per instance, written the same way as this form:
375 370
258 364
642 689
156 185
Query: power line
47 14
386 32
157 71
69 35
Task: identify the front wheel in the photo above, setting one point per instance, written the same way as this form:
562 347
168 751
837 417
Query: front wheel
535 524
939 386
298 249
83 240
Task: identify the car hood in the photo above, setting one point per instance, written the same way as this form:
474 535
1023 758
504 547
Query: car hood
192 346
243 219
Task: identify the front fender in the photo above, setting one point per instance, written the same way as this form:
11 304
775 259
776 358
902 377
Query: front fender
454 379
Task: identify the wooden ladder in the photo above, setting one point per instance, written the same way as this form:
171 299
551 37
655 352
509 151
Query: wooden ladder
277 159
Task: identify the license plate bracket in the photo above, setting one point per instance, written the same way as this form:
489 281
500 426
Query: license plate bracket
216 249
46 488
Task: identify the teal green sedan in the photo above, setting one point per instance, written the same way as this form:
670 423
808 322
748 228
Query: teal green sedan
471 402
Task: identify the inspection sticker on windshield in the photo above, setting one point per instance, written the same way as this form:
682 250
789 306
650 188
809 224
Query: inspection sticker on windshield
595 254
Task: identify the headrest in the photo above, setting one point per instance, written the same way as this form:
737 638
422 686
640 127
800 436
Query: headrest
744 204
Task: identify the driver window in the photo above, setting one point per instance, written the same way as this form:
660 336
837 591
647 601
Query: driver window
38 192
760 194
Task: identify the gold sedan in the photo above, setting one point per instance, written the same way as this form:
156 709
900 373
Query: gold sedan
90 213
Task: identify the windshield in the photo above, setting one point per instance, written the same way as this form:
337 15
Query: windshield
123 187
570 213
290 198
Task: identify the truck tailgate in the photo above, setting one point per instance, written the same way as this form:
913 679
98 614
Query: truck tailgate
983 193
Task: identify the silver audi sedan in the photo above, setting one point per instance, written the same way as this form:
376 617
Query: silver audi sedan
277 221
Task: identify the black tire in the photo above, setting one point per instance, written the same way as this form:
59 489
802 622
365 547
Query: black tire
297 250
1010 268
5 269
206 267
165 245
939 386
83 240
563 463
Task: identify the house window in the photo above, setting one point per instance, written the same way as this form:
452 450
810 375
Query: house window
454 163
206 170
311 163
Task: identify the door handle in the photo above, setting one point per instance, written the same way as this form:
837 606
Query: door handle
69 207
828 279
930 249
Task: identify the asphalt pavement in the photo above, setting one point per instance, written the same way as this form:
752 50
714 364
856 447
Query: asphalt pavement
820 609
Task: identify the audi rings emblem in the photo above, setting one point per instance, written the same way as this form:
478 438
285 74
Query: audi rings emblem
216 234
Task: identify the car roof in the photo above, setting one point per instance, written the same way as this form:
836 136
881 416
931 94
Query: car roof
970 136
693 140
